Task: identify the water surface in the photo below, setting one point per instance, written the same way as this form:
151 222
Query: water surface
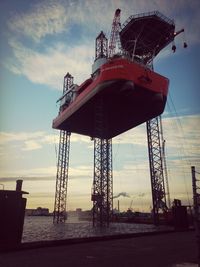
37 228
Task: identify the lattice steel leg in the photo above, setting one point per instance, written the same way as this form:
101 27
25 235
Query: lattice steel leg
62 178
156 168
102 194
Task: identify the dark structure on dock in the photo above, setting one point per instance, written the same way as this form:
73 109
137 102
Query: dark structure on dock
180 216
12 211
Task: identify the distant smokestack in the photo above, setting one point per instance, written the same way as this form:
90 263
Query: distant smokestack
19 185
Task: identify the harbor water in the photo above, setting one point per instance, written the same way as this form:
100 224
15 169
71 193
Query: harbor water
40 228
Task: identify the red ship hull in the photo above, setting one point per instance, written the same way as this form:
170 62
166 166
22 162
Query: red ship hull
129 92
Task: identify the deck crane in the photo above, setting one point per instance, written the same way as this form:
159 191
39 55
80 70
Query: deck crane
114 35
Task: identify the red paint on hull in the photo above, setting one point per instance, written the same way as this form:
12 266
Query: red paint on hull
131 94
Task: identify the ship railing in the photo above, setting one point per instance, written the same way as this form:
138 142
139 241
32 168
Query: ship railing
136 60
68 97
124 54
71 90
147 14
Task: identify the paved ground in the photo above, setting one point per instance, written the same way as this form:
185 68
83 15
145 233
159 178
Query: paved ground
163 250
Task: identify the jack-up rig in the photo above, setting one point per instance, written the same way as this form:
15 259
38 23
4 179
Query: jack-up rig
123 91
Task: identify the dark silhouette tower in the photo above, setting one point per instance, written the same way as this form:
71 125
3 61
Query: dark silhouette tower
156 167
63 159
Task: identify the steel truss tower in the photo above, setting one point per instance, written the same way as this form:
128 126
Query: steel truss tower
62 166
196 208
102 192
196 198
101 46
156 167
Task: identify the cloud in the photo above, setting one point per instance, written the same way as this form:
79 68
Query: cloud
130 173
49 17
185 129
42 195
80 138
29 173
123 194
49 67
131 169
24 178
134 136
27 141
141 194
44 18
186 15
182 136
80 171
36 140
6 137
31 145
47 62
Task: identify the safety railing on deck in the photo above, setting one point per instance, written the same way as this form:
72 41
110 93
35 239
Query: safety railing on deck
148 14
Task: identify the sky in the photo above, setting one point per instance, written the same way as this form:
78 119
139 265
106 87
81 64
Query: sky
42 40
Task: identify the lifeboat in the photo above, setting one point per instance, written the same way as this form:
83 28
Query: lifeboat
123 90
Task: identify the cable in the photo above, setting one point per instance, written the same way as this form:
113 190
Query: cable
182 156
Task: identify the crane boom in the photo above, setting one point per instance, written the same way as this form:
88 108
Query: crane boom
114 35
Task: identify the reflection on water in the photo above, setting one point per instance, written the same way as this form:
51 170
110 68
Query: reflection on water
37 228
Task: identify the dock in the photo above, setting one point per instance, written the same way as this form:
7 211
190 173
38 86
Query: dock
175 249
